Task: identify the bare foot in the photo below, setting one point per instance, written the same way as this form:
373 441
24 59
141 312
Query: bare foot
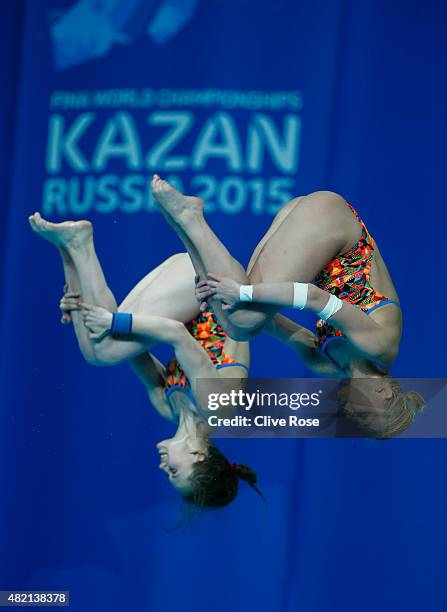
68 234
176 206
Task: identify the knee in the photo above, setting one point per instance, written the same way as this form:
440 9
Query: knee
240 334
243 325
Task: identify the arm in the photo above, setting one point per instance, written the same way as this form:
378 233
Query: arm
152 374
146 366
303 341
95 350
374 340
194 359
154 329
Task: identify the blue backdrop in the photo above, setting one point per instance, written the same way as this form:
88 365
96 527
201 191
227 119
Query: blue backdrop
245 103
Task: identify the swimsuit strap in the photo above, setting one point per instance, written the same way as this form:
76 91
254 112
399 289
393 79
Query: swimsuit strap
335 362
232 364
380 304
329 356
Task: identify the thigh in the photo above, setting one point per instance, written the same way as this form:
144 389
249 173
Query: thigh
166 291
314 230
279 218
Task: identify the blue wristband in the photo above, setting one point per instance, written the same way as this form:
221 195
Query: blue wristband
121 323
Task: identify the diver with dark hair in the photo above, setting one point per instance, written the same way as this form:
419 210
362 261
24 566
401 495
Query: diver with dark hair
162 308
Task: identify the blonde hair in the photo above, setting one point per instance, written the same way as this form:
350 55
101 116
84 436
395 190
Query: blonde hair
402 411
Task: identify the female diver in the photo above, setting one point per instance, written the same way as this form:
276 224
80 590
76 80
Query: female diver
164 309
318 237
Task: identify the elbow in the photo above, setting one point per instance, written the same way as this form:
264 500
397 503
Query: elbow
92 360
89 356
102 357
175 332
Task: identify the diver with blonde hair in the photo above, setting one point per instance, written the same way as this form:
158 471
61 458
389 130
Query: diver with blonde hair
317 255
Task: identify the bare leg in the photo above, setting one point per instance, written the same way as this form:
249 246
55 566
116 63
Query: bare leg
82 270
166 291
75 238
207 252
318 227
86 346
306 234
314 230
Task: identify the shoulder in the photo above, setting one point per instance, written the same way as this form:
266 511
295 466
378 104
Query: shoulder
389 318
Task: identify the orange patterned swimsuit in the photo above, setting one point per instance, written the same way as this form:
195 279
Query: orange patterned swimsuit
347 277
210 335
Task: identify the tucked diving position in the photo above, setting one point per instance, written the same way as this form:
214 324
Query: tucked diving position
317 255
161 308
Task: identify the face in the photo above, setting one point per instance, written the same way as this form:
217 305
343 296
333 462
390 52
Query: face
178 456
366 400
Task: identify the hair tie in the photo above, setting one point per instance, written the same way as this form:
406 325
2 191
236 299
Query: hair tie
233 466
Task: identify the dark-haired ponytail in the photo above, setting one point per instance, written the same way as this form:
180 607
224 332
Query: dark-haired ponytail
214 481
245 473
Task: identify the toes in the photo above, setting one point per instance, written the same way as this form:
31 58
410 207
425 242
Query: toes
165 186
32 223
40 221
155 183
37 220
